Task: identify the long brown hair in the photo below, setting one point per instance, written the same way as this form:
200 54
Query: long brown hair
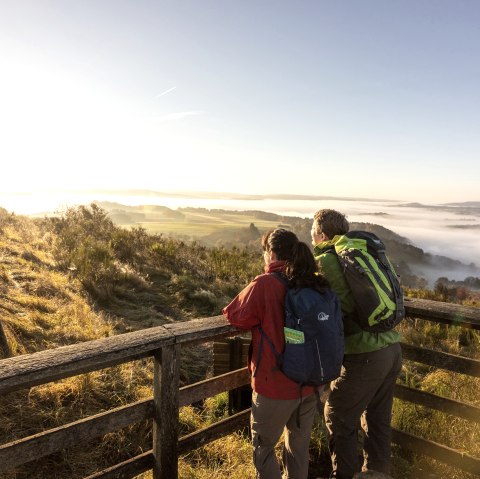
300 267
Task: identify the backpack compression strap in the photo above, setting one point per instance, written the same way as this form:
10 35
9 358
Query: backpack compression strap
278 356
283 279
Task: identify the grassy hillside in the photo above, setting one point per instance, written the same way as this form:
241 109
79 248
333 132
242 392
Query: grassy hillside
41 305
217 227
79 276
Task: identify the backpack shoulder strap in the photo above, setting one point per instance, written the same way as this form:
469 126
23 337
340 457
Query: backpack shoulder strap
278 356
281 277
263 335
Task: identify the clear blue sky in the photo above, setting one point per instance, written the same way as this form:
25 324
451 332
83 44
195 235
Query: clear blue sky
352 98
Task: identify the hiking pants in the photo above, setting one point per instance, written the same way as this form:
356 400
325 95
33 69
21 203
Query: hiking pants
271 417
363 393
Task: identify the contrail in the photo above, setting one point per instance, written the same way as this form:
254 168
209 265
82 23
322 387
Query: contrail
165 92
180 115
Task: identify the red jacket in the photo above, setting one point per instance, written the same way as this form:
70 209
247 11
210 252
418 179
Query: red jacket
262 303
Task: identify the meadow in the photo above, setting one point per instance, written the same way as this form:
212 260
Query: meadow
225 227
189 223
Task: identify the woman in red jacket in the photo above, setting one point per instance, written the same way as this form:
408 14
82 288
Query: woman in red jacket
276 404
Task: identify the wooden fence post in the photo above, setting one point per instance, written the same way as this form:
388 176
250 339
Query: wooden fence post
240 398
165 416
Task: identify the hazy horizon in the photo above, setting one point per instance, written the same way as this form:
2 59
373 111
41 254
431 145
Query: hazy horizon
439 229
49 200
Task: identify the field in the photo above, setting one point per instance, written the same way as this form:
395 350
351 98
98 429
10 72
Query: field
212 227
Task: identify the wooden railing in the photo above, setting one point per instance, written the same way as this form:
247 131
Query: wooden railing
163 343
465 317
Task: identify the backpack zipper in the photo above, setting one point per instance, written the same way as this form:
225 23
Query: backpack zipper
319 359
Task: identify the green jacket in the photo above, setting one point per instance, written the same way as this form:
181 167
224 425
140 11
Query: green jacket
356 339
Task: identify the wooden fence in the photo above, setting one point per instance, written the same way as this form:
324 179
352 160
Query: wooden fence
163 343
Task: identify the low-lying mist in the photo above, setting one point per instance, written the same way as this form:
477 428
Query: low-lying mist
450 231
441 232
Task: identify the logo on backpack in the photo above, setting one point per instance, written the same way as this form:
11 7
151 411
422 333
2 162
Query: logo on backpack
322 316
314 343
372 280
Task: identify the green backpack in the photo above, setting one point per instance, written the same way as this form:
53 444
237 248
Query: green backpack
372 279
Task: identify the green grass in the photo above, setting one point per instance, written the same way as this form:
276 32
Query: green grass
198 224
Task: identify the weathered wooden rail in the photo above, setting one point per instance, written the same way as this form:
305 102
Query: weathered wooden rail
465 317
163 344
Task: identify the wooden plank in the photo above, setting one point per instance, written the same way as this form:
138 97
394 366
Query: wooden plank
236 360
50 365
448 406
230 354
165 416
222 357
238 399
437 451
34 447
215 431
438 359
213 386
440 312
223 349
220 354
201 329
127 469
218 370
53 364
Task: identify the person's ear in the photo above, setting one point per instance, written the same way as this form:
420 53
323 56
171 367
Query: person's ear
269 257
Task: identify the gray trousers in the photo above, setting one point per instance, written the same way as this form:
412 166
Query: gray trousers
362 394
271 417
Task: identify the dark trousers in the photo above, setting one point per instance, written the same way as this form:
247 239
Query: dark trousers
362 394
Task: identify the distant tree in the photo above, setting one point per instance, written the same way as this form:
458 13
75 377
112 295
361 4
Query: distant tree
461 293
472 282
254 232
442 280
441 288
422 283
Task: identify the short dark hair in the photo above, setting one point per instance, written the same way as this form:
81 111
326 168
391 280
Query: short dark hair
330 222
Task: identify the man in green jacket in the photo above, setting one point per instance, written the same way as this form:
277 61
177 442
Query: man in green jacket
372 362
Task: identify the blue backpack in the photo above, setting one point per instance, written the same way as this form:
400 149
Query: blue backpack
314 344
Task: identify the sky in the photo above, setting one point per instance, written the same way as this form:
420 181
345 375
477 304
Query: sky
371 98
